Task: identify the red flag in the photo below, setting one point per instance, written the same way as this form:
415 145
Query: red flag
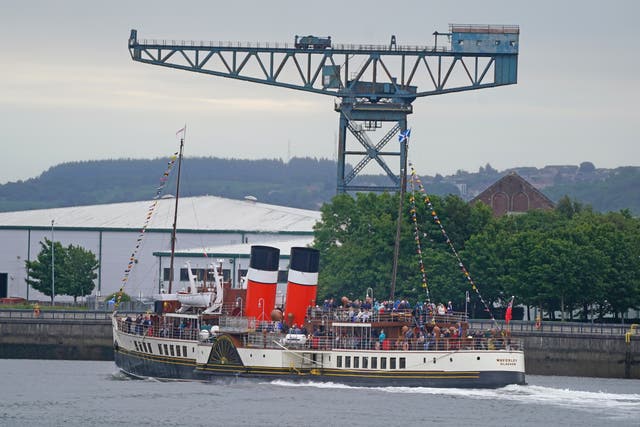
507 315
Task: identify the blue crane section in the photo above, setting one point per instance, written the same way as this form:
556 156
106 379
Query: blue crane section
375 84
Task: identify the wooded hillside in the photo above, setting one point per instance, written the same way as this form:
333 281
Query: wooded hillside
301 182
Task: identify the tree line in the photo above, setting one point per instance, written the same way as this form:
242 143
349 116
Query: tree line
571 260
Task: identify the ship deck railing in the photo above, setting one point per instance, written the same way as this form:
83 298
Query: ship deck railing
342 314
275 340
169 331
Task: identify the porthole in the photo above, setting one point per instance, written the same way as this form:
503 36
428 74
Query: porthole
451 359
478 358
434 360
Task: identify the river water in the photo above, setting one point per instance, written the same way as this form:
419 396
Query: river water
82 393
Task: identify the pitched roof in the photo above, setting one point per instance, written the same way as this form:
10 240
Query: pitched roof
512 187
206 213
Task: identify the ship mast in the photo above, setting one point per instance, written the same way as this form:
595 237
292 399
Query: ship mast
175 213
404 143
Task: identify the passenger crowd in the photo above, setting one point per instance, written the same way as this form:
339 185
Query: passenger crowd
422 326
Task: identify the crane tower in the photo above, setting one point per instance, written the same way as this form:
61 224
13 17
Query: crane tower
375 85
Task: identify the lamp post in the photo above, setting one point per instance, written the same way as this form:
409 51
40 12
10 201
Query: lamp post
466 302
53 266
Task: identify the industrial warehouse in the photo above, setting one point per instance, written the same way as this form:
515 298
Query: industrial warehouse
212 231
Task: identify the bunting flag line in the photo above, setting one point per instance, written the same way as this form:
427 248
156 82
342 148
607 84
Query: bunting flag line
416 235
150 211
427 201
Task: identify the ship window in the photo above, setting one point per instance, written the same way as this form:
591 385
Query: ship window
383 363
150 349
339 361
365 362
374 363
403 363
347 361
178 350
392 363
171 350
166 350
497 42
184 275
160 348
184 350
356 362
136 344
166 274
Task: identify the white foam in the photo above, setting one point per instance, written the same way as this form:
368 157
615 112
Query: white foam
529 394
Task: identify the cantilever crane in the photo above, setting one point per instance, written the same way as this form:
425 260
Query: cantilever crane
375 84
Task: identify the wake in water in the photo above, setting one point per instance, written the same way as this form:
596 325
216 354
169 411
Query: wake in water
119 375
616 404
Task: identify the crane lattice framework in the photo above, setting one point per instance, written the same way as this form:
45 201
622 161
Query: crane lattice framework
375 84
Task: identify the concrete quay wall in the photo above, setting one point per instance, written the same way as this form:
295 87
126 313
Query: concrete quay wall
86 339
604 356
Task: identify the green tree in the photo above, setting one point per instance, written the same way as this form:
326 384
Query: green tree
356 238
79 272
74 268
39 270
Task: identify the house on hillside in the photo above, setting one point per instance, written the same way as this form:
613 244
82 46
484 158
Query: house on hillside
512 194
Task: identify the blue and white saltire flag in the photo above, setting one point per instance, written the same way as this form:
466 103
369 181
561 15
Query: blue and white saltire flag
404 135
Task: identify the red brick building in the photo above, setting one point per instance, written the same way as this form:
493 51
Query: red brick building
511 194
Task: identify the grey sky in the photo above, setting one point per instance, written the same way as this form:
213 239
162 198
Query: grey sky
69 90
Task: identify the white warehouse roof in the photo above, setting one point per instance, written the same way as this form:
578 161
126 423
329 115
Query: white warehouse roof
194 213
